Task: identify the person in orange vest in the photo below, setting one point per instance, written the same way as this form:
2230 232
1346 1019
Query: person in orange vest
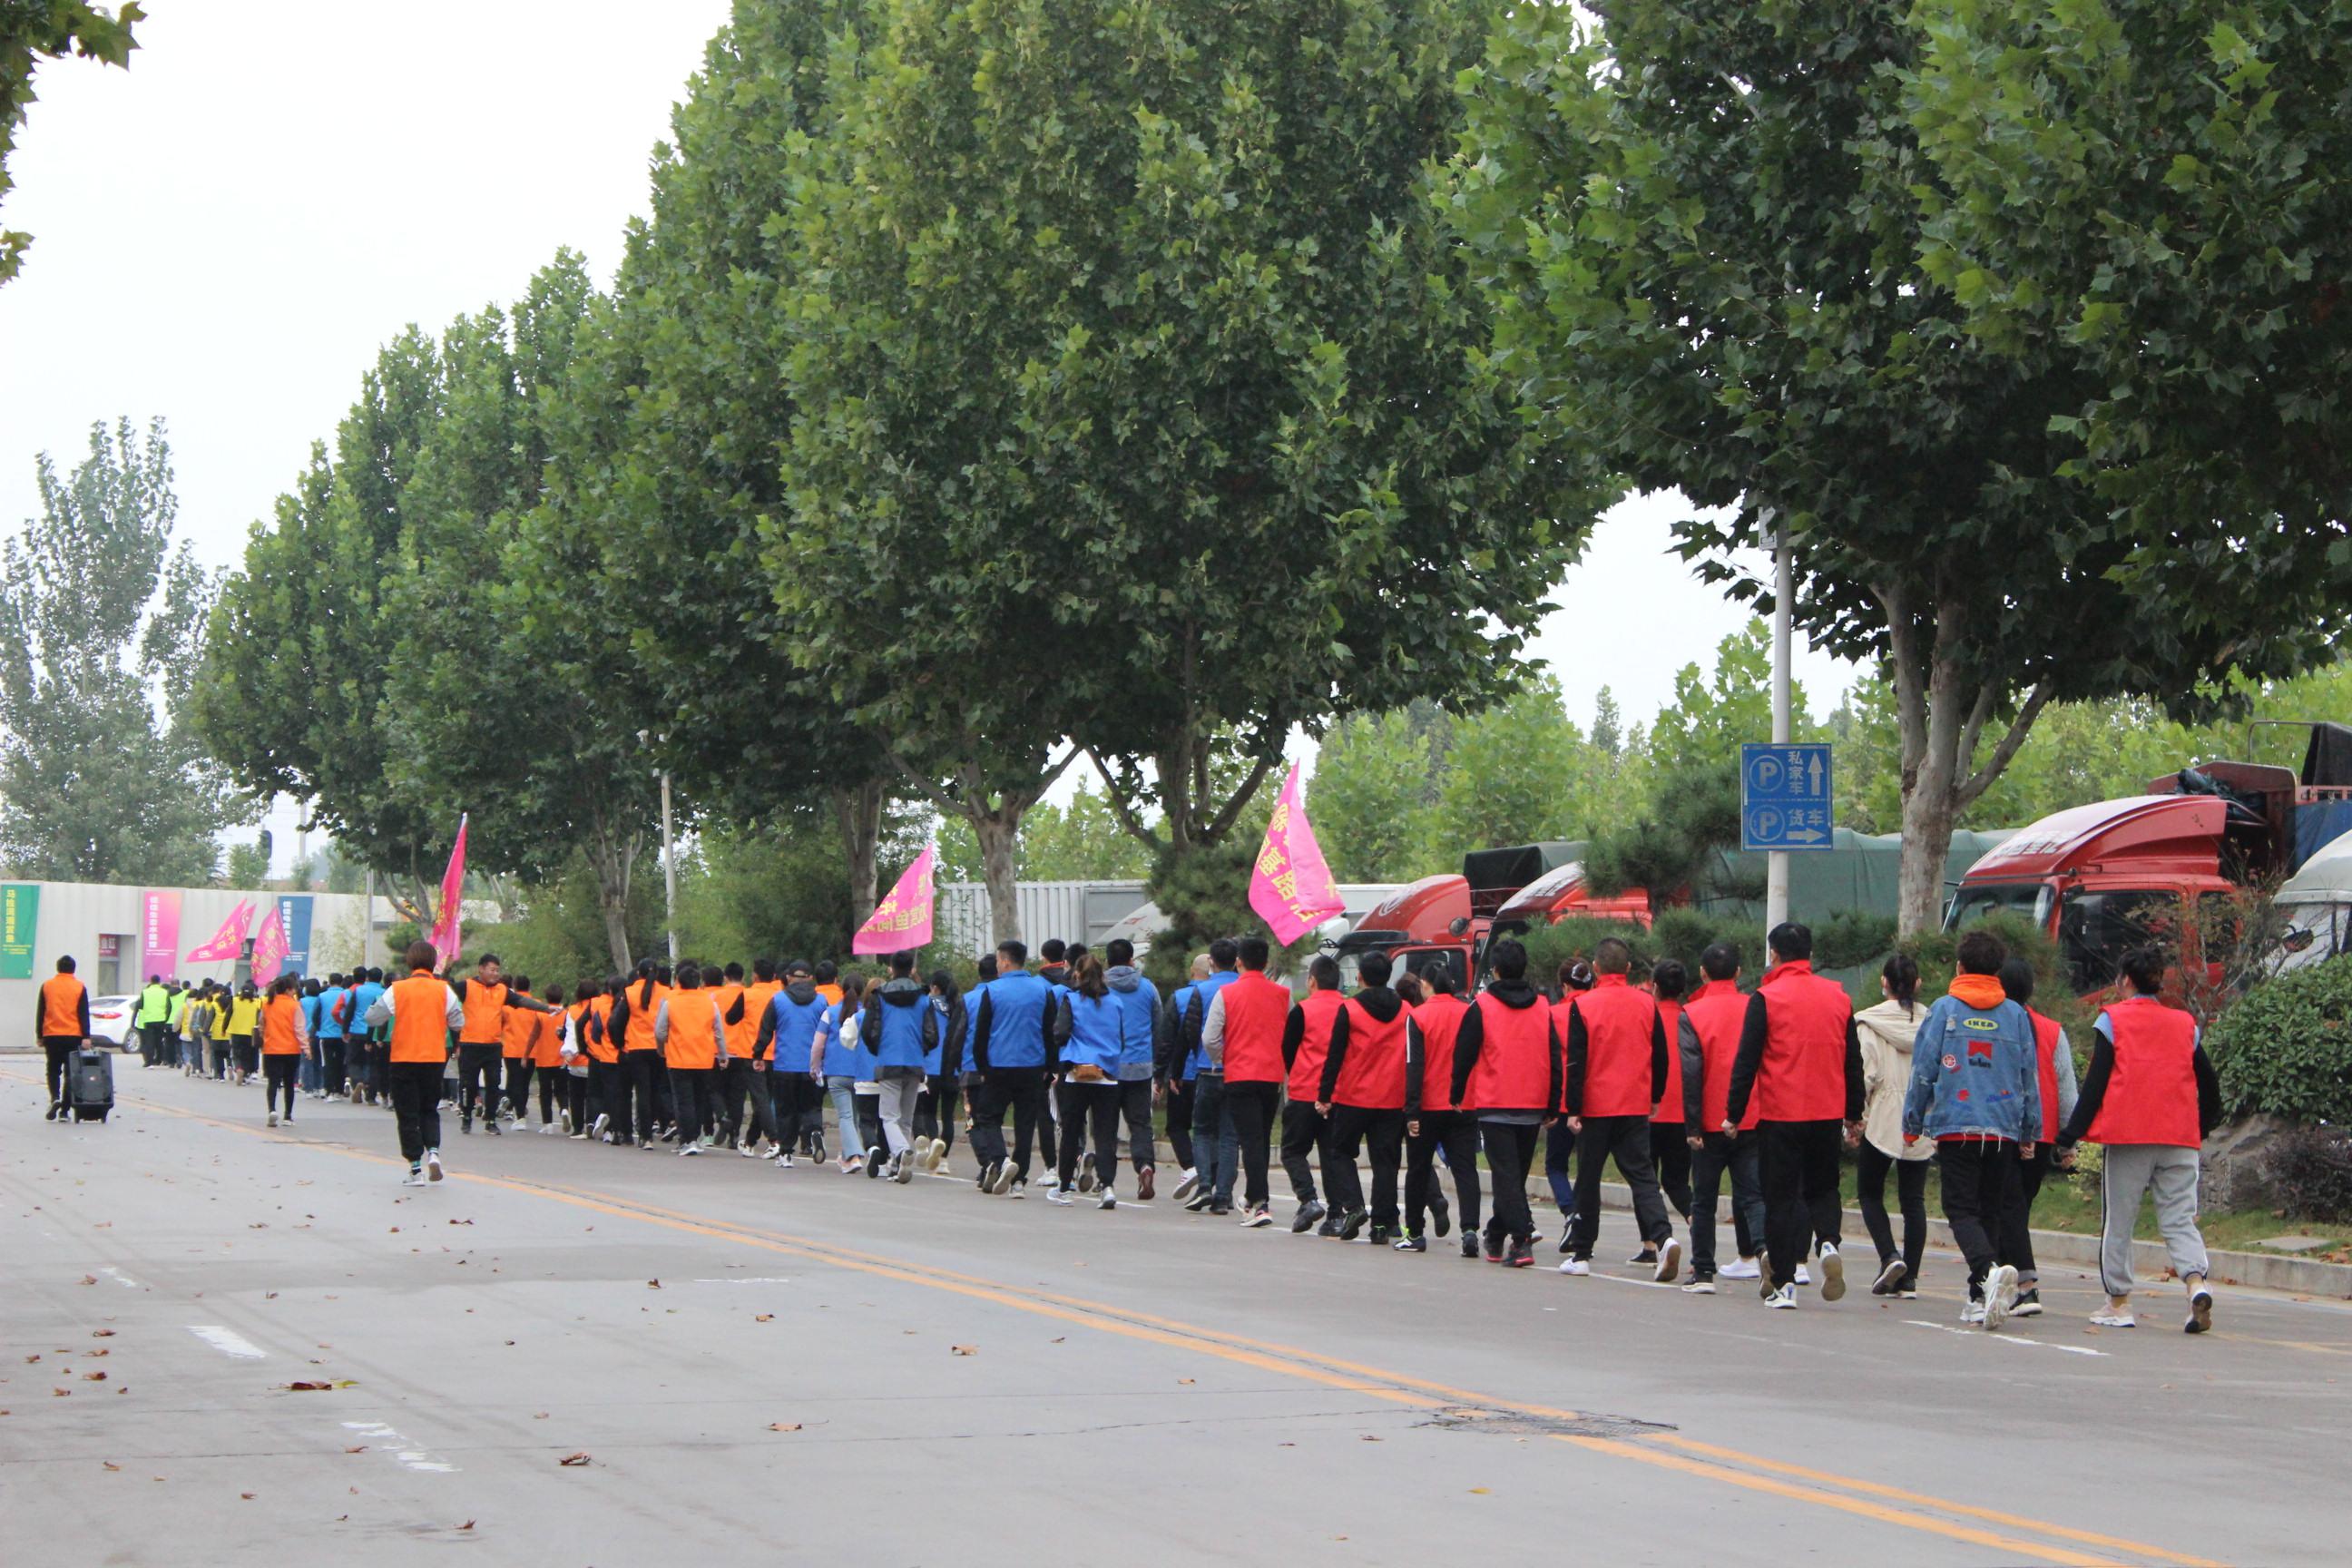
1362 1095
693 1040
2054 1062
2150 1098
419 1014
1709 1042
546 1060
481 1038
518 1032
1800 1061
1616 1074
1508 1068
285 1037
1434 1121
1316 1021
760 1140
733 1083
1241 1033
61 1023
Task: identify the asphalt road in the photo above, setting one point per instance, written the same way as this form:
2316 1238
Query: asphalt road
758 1365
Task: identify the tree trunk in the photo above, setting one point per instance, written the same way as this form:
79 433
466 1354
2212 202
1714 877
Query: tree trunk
999 833
614 864
859 812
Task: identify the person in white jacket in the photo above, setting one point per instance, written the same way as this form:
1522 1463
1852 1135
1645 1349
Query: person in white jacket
1887 1031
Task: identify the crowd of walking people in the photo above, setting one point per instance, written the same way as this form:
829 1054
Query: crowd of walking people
1685 1084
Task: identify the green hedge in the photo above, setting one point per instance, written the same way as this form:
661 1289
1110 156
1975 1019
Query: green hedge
2286 1047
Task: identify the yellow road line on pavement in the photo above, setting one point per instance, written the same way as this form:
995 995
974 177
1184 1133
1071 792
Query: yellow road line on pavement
1731 1466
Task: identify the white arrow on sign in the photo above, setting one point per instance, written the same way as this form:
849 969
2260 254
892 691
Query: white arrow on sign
1803 835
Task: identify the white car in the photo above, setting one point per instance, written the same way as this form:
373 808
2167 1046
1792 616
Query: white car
110 1018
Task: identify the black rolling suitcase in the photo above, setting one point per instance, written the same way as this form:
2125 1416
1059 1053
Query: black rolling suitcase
90 1084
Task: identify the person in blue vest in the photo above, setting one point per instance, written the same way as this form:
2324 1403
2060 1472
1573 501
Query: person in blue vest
366 1070
1139 1042
311 1003
1175 1077
791 1026
1090 1082
836 1062
935 1112
1216 1146
328 1035
901 1029
1976 1090
1015 1045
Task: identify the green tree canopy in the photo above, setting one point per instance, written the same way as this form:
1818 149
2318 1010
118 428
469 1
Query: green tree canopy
30 32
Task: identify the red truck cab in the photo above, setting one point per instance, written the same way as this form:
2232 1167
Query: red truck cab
1443 921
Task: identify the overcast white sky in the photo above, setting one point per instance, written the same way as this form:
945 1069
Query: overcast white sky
225 233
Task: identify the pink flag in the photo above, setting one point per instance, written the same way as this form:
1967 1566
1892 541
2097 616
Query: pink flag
269 948
228 942
902 920
453 885
1290 886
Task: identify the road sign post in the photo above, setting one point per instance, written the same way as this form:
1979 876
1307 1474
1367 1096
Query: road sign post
1784 798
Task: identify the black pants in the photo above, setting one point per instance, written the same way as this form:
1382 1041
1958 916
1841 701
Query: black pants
1670 1156
1457 1134
331 1075
799 1104
1021 1090
1382 1131
1626 1140
696 1092
1180 1122
280 1072
1305 1131
1250 1107
478 1069
1801 1190
1095 1106
1142 1138
733 1082
415 1089
150 1043
247 1053
2017 1229
634 1079
1871 1168
935 1110
555 1093
519 1088
1980 1185
763 1102
1510 1149
1560 1168
1740 1156
59 1051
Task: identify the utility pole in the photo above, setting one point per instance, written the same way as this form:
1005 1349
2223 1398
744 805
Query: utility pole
1776 862
669 857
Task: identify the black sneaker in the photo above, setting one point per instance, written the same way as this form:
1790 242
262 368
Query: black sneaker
1202 1202
1567 1231
496 1131
1440 1217
2027 1303
1304 1220
1890 1278
1469 1245
1521 1255
1381 1234
1330 1227
1493 1248
1648 1255
1220 1211
1409 1244
1353 1226
464 1124
873 1158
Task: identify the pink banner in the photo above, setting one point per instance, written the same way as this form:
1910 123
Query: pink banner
159 934
902 920
229 940
1290 886
453 886
269 948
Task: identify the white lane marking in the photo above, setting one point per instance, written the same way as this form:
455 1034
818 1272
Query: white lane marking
119 1278
406 1457
1975 1334
775 1280
1621 1280
228 1342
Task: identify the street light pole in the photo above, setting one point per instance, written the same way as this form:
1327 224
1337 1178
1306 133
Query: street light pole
1776 862
669 871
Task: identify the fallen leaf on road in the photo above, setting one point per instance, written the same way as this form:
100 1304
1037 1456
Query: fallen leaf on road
461 1222
1481 1491
784 1426
101 1350
270 1296
61 1394
93 1377
395 1230
307 1386
572 1460
764 1318
101 1333
110 1464
31 1359
89 1278
356 1448
247 1495
653 1284
963 1350
258 1225
1183 1380
539 1417
468 1525
1370 1439
1059 1337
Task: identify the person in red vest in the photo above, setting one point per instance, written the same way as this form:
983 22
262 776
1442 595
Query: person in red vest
2150 1098
1507 1064
1435 1121
1670 982
1243 1036
1362 1093
2055 1056
1708 1043
61 1023
1616 1073
1800 1062
1317 1021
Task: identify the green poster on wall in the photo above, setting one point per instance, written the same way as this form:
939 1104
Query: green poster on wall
20 919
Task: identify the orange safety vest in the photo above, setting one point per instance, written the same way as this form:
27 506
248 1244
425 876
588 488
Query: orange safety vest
420 1019
643 1010
740 1037
278 1034
486 1015
517 1032
602 1048
61 997
757 997
547 1047
693 1029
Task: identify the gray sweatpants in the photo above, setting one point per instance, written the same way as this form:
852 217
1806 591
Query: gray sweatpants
2130 1170
901 1087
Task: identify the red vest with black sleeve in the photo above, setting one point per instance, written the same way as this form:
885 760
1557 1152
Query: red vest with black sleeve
1256 1010
1439 1019
1802 1075
2152 1092
1319 1009
1372 1077
1618 1025
1514 1069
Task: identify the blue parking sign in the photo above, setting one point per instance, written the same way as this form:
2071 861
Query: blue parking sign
1784 797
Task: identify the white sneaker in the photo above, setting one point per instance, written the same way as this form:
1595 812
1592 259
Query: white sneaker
1833 1273
433 1165
1972 1312
601 1125
1804 1275
2201 1311
1784 1300
1741 1268
1577 1266
273 1119
1058 1194
1670 1261
687 1149
2000 1295
2108 1317
784 1161
1699 1288
938 1150
1187 1184
1109 1199
415 1178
